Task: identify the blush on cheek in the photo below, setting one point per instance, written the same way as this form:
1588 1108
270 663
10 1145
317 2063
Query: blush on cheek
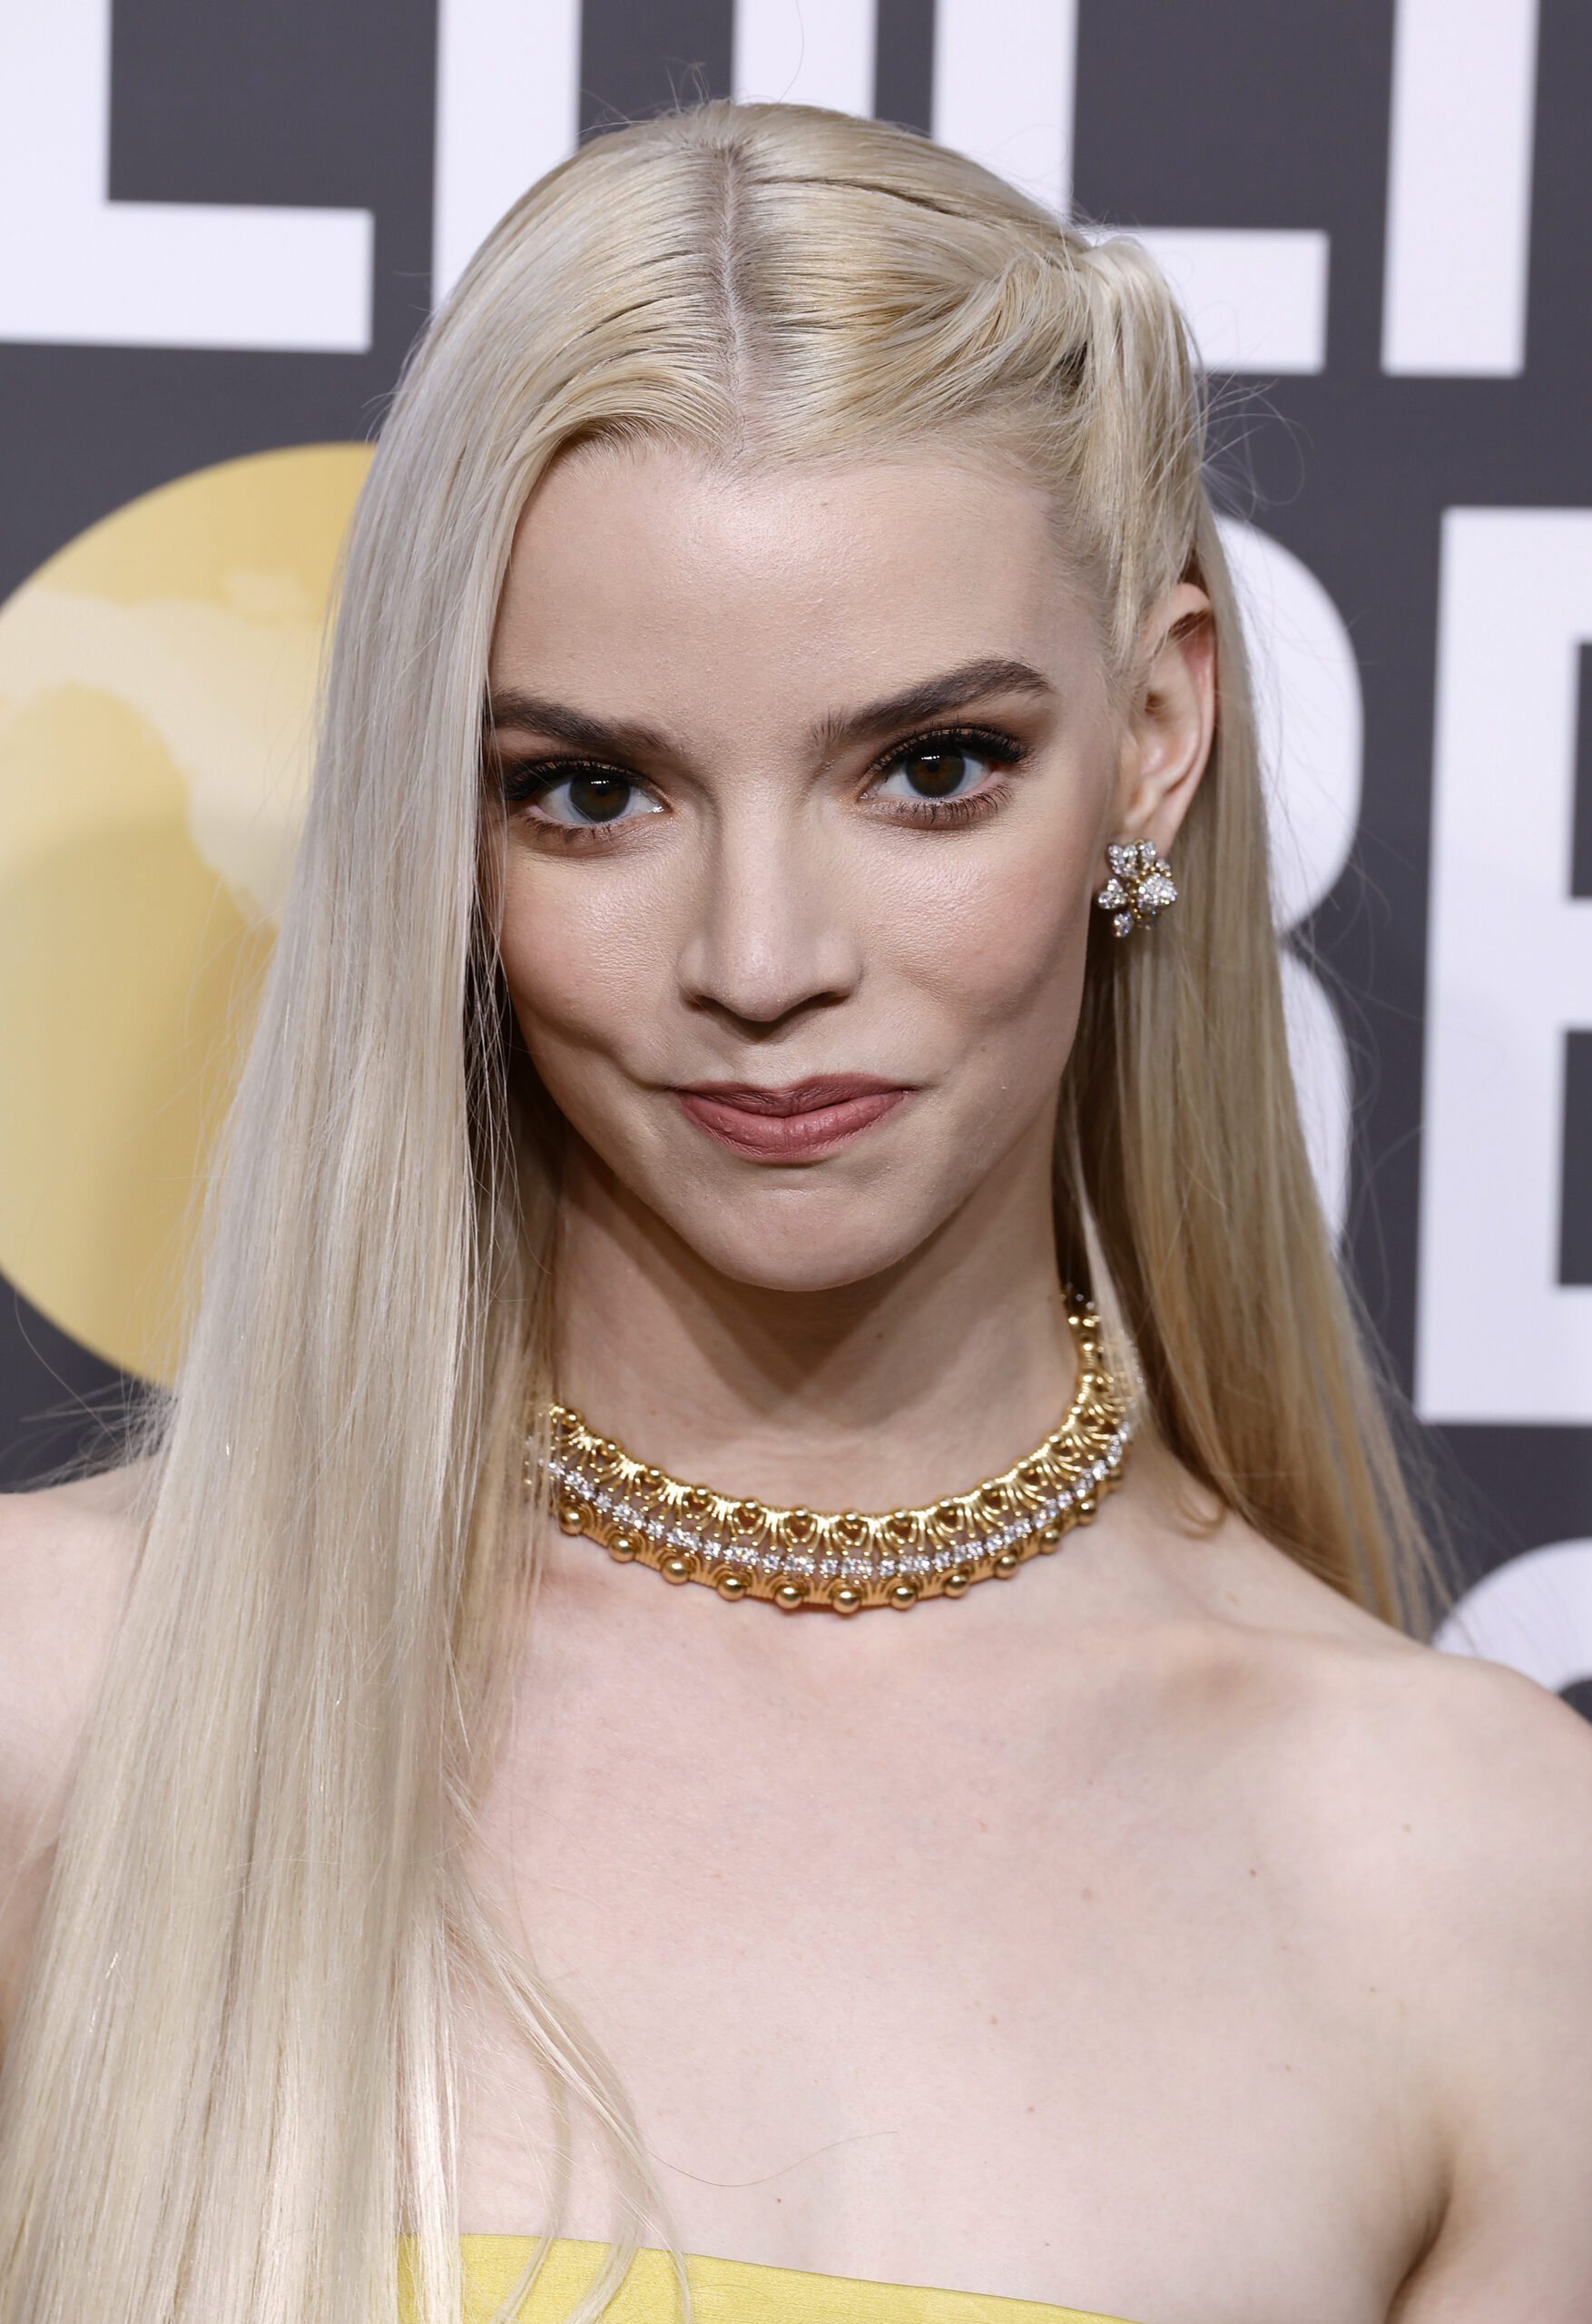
1006 949
587 1000
574 975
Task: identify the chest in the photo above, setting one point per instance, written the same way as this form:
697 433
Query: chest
920 1991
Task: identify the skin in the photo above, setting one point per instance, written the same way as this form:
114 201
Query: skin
779 913
1157 1935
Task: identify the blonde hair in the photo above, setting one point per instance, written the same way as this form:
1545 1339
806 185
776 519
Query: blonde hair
229 2084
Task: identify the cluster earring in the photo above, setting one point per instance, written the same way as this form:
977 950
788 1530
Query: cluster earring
1140 887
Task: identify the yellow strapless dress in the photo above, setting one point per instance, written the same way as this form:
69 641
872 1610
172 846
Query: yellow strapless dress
727 2291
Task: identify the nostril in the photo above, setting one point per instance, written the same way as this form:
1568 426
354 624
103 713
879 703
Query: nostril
754 1016
764 966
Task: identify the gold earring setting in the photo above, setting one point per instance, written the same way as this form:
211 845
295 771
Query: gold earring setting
1140 888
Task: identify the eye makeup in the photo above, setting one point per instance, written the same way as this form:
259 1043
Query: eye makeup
944 777
930 770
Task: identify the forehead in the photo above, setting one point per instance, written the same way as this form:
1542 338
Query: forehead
647 566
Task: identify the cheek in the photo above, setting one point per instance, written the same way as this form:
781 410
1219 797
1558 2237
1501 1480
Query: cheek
999 946
577 961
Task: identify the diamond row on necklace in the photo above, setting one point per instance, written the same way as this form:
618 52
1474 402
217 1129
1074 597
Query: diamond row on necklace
845 1562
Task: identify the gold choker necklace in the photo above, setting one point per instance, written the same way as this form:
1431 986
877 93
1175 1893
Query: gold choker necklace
798 1557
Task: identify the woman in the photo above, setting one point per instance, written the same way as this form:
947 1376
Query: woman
784 576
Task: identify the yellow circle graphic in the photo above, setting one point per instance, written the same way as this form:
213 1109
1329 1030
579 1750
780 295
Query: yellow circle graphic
157 698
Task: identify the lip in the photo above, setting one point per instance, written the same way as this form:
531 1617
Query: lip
800 1122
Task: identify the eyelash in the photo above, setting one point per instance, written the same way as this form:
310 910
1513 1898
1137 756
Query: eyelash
1003 753
520 785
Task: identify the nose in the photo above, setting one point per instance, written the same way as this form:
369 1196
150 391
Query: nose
771 934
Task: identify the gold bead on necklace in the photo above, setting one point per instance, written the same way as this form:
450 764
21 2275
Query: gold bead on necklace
798 1557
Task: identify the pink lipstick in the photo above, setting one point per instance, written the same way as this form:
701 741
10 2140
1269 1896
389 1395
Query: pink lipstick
800 1123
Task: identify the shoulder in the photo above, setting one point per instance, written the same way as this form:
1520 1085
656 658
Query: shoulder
1477 1826
1384 1741
1465 1789
1429 1820
1432 1806
1469 1762
66 1556
1473 1851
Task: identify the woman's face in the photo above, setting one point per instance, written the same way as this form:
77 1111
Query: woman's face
809 777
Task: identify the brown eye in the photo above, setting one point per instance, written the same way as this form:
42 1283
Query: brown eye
599 798
945 766
936 774
587 797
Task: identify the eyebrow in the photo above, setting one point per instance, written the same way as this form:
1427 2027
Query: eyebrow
615 737
915 706
912 706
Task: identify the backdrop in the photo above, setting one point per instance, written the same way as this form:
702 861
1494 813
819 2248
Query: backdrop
220 227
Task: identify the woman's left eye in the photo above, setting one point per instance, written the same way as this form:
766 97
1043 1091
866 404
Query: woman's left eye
947 767
588 798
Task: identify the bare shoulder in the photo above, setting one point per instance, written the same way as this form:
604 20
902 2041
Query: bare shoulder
1474 1790
1383 1736
1429 1821
1431 1803
66 1556
1469 1856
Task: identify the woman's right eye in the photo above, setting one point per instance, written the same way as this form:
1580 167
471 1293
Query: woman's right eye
586 798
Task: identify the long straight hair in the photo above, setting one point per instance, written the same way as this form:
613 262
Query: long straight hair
229 2086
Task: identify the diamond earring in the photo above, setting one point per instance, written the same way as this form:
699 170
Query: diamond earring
1140 887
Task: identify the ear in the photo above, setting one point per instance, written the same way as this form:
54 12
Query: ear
1171 719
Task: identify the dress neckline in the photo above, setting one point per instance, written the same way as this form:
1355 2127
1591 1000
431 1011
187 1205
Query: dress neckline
730 2291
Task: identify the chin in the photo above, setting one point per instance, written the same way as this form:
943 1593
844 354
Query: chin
755 1244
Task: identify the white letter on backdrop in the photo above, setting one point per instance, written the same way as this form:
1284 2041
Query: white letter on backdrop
1004 88
1459 187
1310 720
1533 1612
1255 295
77 269
507 111
1509 956
806 52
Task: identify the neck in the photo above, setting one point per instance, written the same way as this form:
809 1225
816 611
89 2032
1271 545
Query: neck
913 1384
